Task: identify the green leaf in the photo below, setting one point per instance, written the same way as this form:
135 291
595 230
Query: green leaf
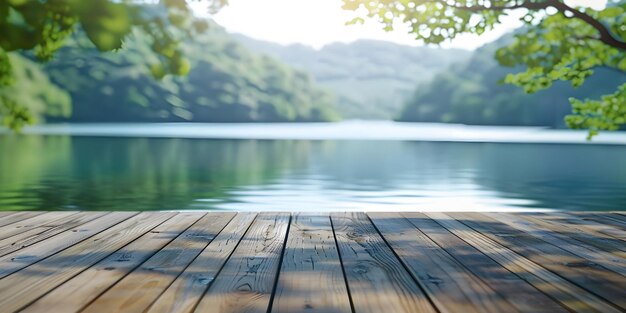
106 23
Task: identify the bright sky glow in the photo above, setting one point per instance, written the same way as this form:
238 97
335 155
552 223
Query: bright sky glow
320 22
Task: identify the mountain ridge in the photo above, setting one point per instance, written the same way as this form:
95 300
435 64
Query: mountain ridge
371 78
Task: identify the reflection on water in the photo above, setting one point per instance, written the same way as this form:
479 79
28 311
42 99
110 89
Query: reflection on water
100 173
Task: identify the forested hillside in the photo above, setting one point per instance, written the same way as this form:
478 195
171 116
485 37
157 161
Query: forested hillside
372 79
33 88
470 93
226 83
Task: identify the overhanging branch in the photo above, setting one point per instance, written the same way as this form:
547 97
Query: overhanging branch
605 34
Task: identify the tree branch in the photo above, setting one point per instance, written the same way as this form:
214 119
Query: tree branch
605 34
521 5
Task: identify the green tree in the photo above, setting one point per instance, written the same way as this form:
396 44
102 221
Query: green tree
43 27
558 43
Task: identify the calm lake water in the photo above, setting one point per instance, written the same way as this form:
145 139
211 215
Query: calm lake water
291 167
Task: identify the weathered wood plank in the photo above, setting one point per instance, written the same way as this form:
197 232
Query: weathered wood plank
20 259
136 291
185 292
592 227
518 292
615 215
565 292
37 234
584 273
39 221
311 278
25 286
566 242
377 281
449 286
494 262
246 282
618 216
615 220
16 217
78 292
592 233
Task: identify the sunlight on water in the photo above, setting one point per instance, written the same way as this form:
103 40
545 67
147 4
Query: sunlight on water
126 173
349 130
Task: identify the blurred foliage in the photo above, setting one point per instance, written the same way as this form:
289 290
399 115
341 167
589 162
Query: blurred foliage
225 83
44 26
470 92
30 84
214 78
559 43
372 79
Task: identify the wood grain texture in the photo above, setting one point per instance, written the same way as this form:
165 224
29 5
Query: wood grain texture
566 241
39 221
615 220
595 234
78 292
522 295
584 273
20 259
185 292
246 282
565 292
311 278
27 285
50 229
136 291
614 215
348 262
594 228
377 281
13 217
445 281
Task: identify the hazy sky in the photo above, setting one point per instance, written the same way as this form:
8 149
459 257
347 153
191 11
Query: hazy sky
319 22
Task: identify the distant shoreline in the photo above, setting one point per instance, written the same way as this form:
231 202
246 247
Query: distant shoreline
346 130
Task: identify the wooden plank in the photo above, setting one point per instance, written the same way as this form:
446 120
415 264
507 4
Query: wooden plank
592 233
614 215
311 278
614 220
16 217
25 286
185 292
246 282
78 292
377 281
39 221
618 216
20 259
37 234
592 227
446 282
565 241
563 291
584 273
518 292
139 289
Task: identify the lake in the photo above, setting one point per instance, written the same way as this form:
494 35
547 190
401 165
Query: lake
372 166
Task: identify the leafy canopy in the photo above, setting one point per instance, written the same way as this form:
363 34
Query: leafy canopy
558 43
43 27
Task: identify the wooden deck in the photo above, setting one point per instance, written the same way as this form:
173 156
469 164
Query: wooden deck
342 262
